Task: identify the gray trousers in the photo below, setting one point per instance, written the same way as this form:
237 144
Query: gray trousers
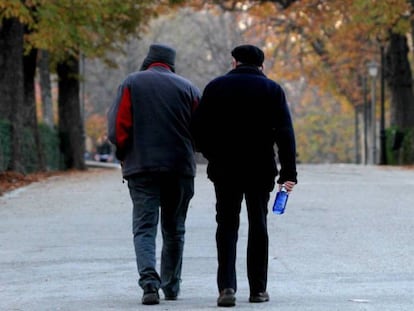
151 193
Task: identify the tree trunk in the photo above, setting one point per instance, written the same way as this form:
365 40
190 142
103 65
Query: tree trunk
71 131
29 110
12 86
46 88
412 21
399 78
5 62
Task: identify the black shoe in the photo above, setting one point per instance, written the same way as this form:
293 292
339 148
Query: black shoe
227 298
170 297
259 297
150 296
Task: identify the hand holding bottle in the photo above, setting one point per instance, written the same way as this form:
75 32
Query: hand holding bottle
282 197
288 185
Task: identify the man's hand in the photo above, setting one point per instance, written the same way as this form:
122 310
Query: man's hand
288 185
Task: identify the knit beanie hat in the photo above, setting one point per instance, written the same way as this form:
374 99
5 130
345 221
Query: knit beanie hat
248 54
160 53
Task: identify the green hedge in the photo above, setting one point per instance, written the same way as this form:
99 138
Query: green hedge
49 142
4 144
400 146
49 139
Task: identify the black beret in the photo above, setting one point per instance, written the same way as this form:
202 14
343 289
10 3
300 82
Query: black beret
248 54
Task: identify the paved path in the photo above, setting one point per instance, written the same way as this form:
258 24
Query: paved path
344 243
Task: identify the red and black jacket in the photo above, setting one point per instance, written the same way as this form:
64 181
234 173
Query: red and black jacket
149 122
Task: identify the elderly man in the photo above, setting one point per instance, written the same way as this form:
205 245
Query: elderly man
241 116
149 124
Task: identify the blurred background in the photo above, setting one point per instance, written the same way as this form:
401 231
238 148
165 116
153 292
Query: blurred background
346 67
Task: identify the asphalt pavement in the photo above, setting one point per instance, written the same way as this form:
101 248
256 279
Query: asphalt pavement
344 243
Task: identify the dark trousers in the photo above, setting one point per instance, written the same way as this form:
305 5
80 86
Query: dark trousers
229 197
149 192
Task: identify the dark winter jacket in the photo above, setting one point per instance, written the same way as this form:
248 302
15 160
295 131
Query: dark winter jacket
240 118
149 122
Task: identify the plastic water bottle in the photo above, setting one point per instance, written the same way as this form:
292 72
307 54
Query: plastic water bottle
280 201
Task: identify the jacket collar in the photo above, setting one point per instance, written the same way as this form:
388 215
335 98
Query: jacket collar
247 69
158 64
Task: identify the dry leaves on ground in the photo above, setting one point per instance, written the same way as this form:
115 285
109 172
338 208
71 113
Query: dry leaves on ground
12 180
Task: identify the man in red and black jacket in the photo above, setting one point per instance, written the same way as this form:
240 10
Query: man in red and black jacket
149 125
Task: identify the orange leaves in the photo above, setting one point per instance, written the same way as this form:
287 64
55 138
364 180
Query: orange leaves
328 42
68 26
95 126
15 9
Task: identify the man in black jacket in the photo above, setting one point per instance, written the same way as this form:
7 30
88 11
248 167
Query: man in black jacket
240 118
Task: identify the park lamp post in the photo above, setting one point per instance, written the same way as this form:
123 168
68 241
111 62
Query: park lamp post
373 72
383 142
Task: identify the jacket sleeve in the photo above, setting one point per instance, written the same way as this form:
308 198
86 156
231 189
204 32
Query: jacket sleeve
120 121
285 140
199 125
196 96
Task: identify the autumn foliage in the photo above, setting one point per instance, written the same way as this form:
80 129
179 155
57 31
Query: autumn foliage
317 49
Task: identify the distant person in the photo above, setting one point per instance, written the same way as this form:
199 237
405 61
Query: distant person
240 118
149 124
104 151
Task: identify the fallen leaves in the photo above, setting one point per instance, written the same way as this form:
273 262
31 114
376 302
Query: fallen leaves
12 180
